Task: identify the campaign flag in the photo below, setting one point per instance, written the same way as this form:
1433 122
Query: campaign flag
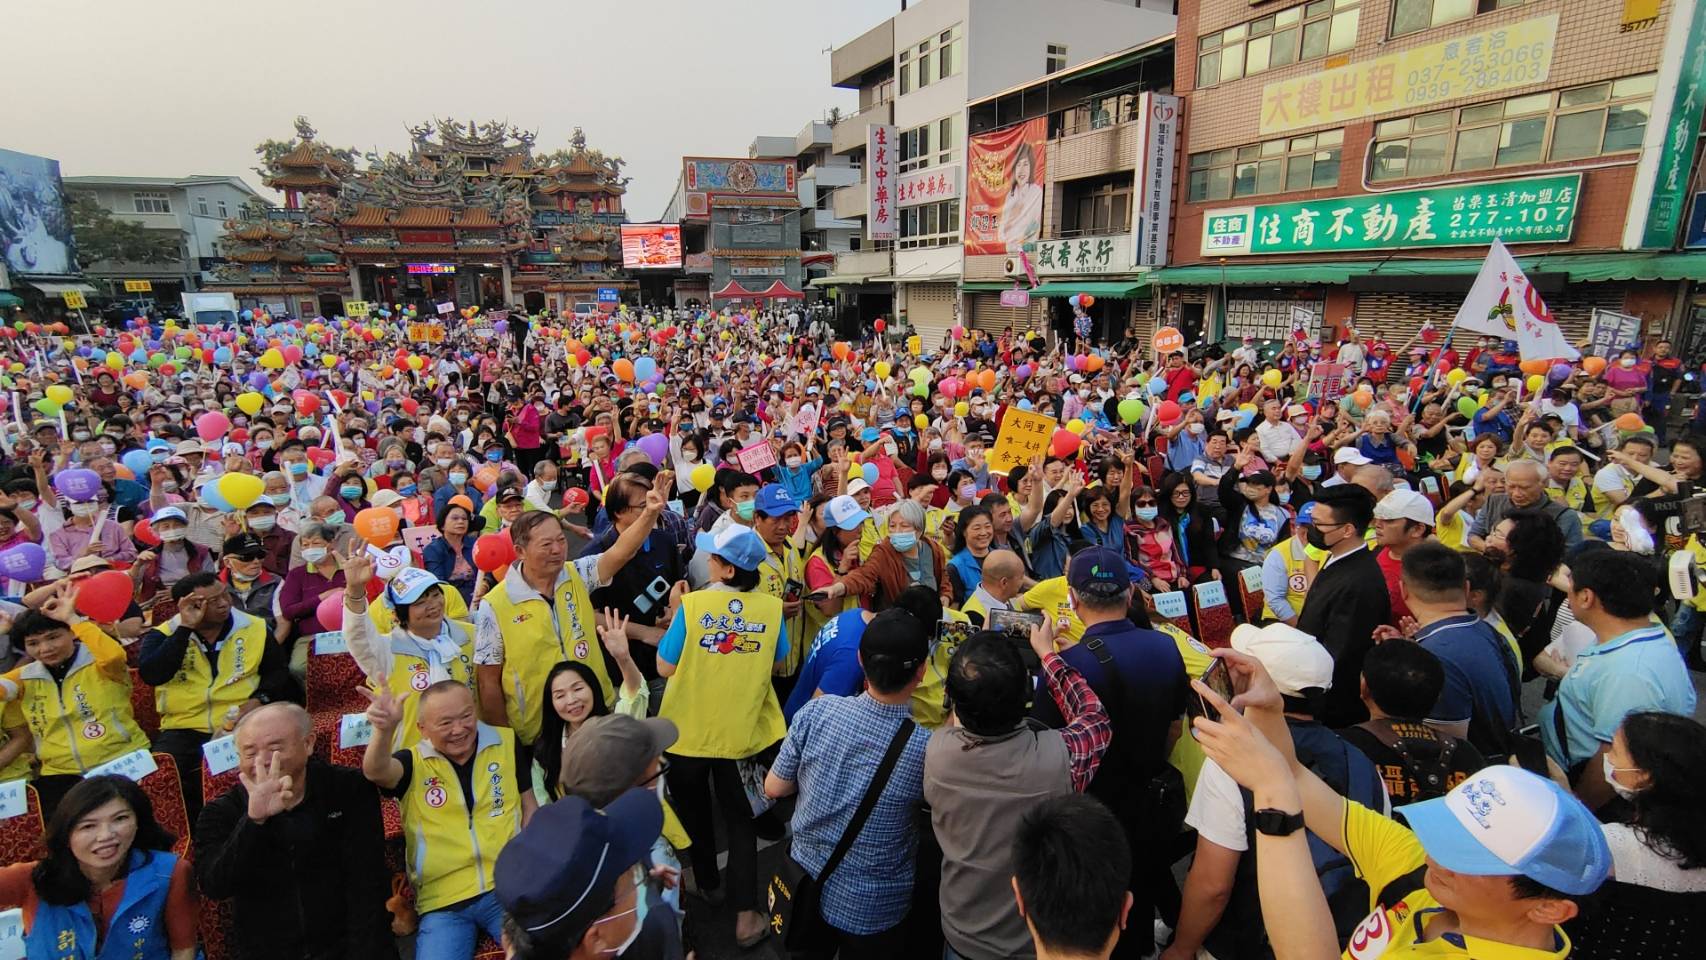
1503 304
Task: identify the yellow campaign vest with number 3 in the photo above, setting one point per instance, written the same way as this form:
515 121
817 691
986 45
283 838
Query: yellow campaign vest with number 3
86 720
411 674
537 635
720 695
197 699
452 841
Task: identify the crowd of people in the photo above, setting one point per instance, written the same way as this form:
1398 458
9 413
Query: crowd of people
666 630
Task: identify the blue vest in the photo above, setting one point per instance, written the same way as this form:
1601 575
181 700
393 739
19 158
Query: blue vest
138 927
969 568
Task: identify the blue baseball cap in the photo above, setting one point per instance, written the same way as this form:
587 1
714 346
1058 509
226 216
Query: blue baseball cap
737 544
1306 513
774 500
560 874
844 513
1505 821
409 584
1099 571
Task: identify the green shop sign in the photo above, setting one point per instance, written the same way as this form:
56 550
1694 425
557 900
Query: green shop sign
1526 210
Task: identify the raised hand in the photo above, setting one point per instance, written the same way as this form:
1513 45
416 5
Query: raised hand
384 710
613 634
61 604
358 570
271 792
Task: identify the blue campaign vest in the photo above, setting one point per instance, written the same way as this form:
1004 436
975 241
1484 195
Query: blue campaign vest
138 927
969 569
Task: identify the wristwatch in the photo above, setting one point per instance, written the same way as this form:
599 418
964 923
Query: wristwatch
1277 823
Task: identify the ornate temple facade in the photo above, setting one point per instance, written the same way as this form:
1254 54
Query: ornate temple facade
471 215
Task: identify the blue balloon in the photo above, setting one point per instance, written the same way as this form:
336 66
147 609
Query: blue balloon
1157 386
222 355
248 314
1024 403
210 496
138 461
1245 418
869 472
645 368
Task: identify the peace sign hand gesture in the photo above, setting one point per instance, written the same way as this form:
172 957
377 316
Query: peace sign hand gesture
270 791
384 710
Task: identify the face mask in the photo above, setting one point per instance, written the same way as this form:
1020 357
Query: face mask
1198 429
936 444
313 554
547 485
1311 472
890 448
444 462
263 445
903 541
170 486
408 490
299 469
80 435
395 464
263 524
1317 539
691 456
968 490
108 447
1285 496
278 499
639 913
85 509
1147 514
350 492
744 510
26 504
333 520
172 536
793 463
458 478
494 456
1627 793
1626 362
1300 422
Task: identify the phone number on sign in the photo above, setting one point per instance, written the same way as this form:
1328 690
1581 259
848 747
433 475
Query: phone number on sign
1495 70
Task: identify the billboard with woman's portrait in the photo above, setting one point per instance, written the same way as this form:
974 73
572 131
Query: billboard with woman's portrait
1005 173
35 227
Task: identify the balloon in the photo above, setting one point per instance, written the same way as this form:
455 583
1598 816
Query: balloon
1467 407
1077 426
702 476
1456 376
138 461
575 499
1086 300
962 408
26 562
645 368
212 425
1535 382
869 472
1272 378
250 402
136 381
495 551
486 478
1131 410
59 393
292 354
1157 386
1594 366
1560 372
655 446
272 359
1092 364
1534 366
330 612
240 490
841 350
1025 404
1628 423
78 485
922 422
320 456
880 325
1168 412
105 596
882 369
377 525
144 531
624 370
307 402
1065 443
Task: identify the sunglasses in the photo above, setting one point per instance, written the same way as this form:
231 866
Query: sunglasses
1146 503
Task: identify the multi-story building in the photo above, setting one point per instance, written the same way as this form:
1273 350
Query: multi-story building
915 74
189 213
1350 161
740 228
821 171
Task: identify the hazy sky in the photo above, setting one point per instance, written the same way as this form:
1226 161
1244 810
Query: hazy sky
173 87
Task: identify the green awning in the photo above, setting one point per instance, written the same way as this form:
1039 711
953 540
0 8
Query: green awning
1097 288
986 286
1580 267
10 299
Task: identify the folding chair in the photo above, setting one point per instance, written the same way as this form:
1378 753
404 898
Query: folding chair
1170 607
1251 593
1214 615
21 836
166 792
142 705
218 925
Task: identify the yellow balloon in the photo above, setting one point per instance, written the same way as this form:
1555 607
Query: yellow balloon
114 361
1272 378
882 369
921 421
250 403
1456 376
59 393
328 360
702 477
1535 382
1076 426
961 409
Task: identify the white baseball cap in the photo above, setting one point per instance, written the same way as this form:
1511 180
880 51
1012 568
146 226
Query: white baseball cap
1295 660
1350 455
844 512
1405 505
857 485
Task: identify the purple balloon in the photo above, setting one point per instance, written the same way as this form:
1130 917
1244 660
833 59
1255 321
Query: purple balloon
258 379
26 561
656 446
1559 372
78 485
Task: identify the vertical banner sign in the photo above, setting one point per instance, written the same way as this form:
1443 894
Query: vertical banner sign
880 166
1609 332
1005 173
1158 115
1670 199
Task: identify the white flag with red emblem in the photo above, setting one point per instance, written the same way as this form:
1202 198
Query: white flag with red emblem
1503 304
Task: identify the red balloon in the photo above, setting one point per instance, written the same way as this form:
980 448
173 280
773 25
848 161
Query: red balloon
1168 412
1064 443
330 612
494 552
575 498
306 402
105 596
880 325
410 405
144 531
320 456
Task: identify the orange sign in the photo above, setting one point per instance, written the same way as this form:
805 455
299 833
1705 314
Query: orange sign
1168 340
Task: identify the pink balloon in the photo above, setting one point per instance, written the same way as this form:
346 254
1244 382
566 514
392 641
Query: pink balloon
330 613
212 425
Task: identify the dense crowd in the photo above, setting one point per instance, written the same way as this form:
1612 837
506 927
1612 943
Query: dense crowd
574 638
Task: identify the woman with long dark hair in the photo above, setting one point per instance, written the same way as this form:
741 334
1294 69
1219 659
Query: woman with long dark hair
974 537
1527 546
1193 528
1655 906
109 873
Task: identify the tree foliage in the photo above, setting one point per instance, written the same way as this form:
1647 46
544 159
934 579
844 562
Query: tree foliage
102 236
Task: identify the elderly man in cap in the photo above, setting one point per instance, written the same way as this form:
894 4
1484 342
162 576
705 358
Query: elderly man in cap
573 883
783 573
1222 911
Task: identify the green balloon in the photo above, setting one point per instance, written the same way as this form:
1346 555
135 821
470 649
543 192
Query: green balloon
1467 407
46 407
155 360
183 353
1131 410
921 390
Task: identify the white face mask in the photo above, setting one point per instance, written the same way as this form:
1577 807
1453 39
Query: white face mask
85 509
172 536
1627 793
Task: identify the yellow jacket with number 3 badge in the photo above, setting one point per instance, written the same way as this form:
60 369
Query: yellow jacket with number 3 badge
452 840
199 698
720 695
538 634
84 720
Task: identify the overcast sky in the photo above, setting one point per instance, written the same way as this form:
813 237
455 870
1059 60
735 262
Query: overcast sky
174 87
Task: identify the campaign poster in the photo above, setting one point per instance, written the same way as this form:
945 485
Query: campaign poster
35 224
1005 173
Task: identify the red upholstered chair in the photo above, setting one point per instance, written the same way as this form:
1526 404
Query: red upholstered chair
1157 469
167 794
20 836
1250 592
331 687
1214 616
217 923
142 705
1171 608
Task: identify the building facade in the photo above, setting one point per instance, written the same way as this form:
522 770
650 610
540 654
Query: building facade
190 212
1351 160
740 219
469 216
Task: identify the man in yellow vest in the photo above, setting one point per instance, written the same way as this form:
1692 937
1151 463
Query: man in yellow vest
465 791
209 665
75 695
1288 569
542 614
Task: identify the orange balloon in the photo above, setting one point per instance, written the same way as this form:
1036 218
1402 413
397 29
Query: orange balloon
1593 365
1093 363
986 379
136 381
486 478
624 370
841 349
1535 366
1630 423
377 525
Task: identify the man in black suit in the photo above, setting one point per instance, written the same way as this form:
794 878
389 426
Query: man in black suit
1348 598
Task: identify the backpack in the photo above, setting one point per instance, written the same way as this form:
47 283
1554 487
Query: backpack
1432 777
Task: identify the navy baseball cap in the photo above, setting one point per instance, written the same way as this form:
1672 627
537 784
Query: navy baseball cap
559 873
774 500
1098 571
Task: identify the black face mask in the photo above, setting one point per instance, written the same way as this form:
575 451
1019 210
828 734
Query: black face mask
1317 539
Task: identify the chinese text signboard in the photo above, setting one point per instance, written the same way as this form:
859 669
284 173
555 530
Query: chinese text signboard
756 457
1670 189
1024 437
1326 382
74 299
880 149
138 286
1610 332
356 308
1159 114
928 185
426 333
1528 210
1481 63
1079 255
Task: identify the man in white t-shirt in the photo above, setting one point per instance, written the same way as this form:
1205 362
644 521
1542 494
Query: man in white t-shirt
1560 403
1277 437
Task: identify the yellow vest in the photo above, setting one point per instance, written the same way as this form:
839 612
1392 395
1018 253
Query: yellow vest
1575 496
720 695
198 699
773 576
1187 756
929 706
1296 582
536 637
86 720
1050 598
453 841
384 616
814 617
411 673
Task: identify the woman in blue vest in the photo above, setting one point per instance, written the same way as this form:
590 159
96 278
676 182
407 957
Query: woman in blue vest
105 848
974 535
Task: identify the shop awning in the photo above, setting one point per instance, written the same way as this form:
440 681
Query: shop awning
1580 268
838 279
986 286
1096 288
1591 267
8 299
55 289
